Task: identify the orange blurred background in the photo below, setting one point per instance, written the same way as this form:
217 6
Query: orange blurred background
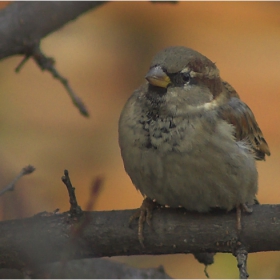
105 54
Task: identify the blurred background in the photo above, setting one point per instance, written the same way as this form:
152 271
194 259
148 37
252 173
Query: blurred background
105 54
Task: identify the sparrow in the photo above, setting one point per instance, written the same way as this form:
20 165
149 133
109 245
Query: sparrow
188 140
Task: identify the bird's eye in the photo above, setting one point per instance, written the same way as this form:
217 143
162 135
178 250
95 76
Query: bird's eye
186 77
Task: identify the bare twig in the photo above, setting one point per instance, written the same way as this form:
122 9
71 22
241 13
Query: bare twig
75 209
81 223
78 229
241 256
47 63
18 35
206 272
21 64
25 171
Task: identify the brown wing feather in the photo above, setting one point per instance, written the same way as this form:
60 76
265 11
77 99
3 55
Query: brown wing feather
240 115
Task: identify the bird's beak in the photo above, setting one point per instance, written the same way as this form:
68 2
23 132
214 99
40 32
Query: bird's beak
157 77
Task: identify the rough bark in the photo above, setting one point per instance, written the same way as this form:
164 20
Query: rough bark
54 237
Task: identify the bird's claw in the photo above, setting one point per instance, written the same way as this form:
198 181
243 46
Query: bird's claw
239 208
143 214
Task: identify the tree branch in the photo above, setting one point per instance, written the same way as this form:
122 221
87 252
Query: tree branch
48 237
24 24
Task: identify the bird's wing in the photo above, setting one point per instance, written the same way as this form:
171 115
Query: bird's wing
240 115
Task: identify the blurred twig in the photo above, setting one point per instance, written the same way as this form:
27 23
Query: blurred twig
25 171
94 192
47 63
78 228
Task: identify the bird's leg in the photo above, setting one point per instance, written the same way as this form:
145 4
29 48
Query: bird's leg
144 214
239 208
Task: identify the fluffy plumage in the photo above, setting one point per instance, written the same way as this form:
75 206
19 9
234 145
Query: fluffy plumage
187 139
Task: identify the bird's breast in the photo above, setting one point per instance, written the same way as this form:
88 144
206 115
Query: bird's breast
192 161
176 134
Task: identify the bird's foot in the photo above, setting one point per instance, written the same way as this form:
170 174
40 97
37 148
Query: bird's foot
143 214
239 208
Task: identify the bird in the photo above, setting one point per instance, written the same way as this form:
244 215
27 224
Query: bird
188 140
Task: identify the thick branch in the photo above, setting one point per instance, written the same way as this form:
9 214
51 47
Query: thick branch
23 24
48 238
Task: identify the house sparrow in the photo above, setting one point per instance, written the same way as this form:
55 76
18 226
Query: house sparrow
187 140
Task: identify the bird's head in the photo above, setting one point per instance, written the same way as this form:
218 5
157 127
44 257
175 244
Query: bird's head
182 74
